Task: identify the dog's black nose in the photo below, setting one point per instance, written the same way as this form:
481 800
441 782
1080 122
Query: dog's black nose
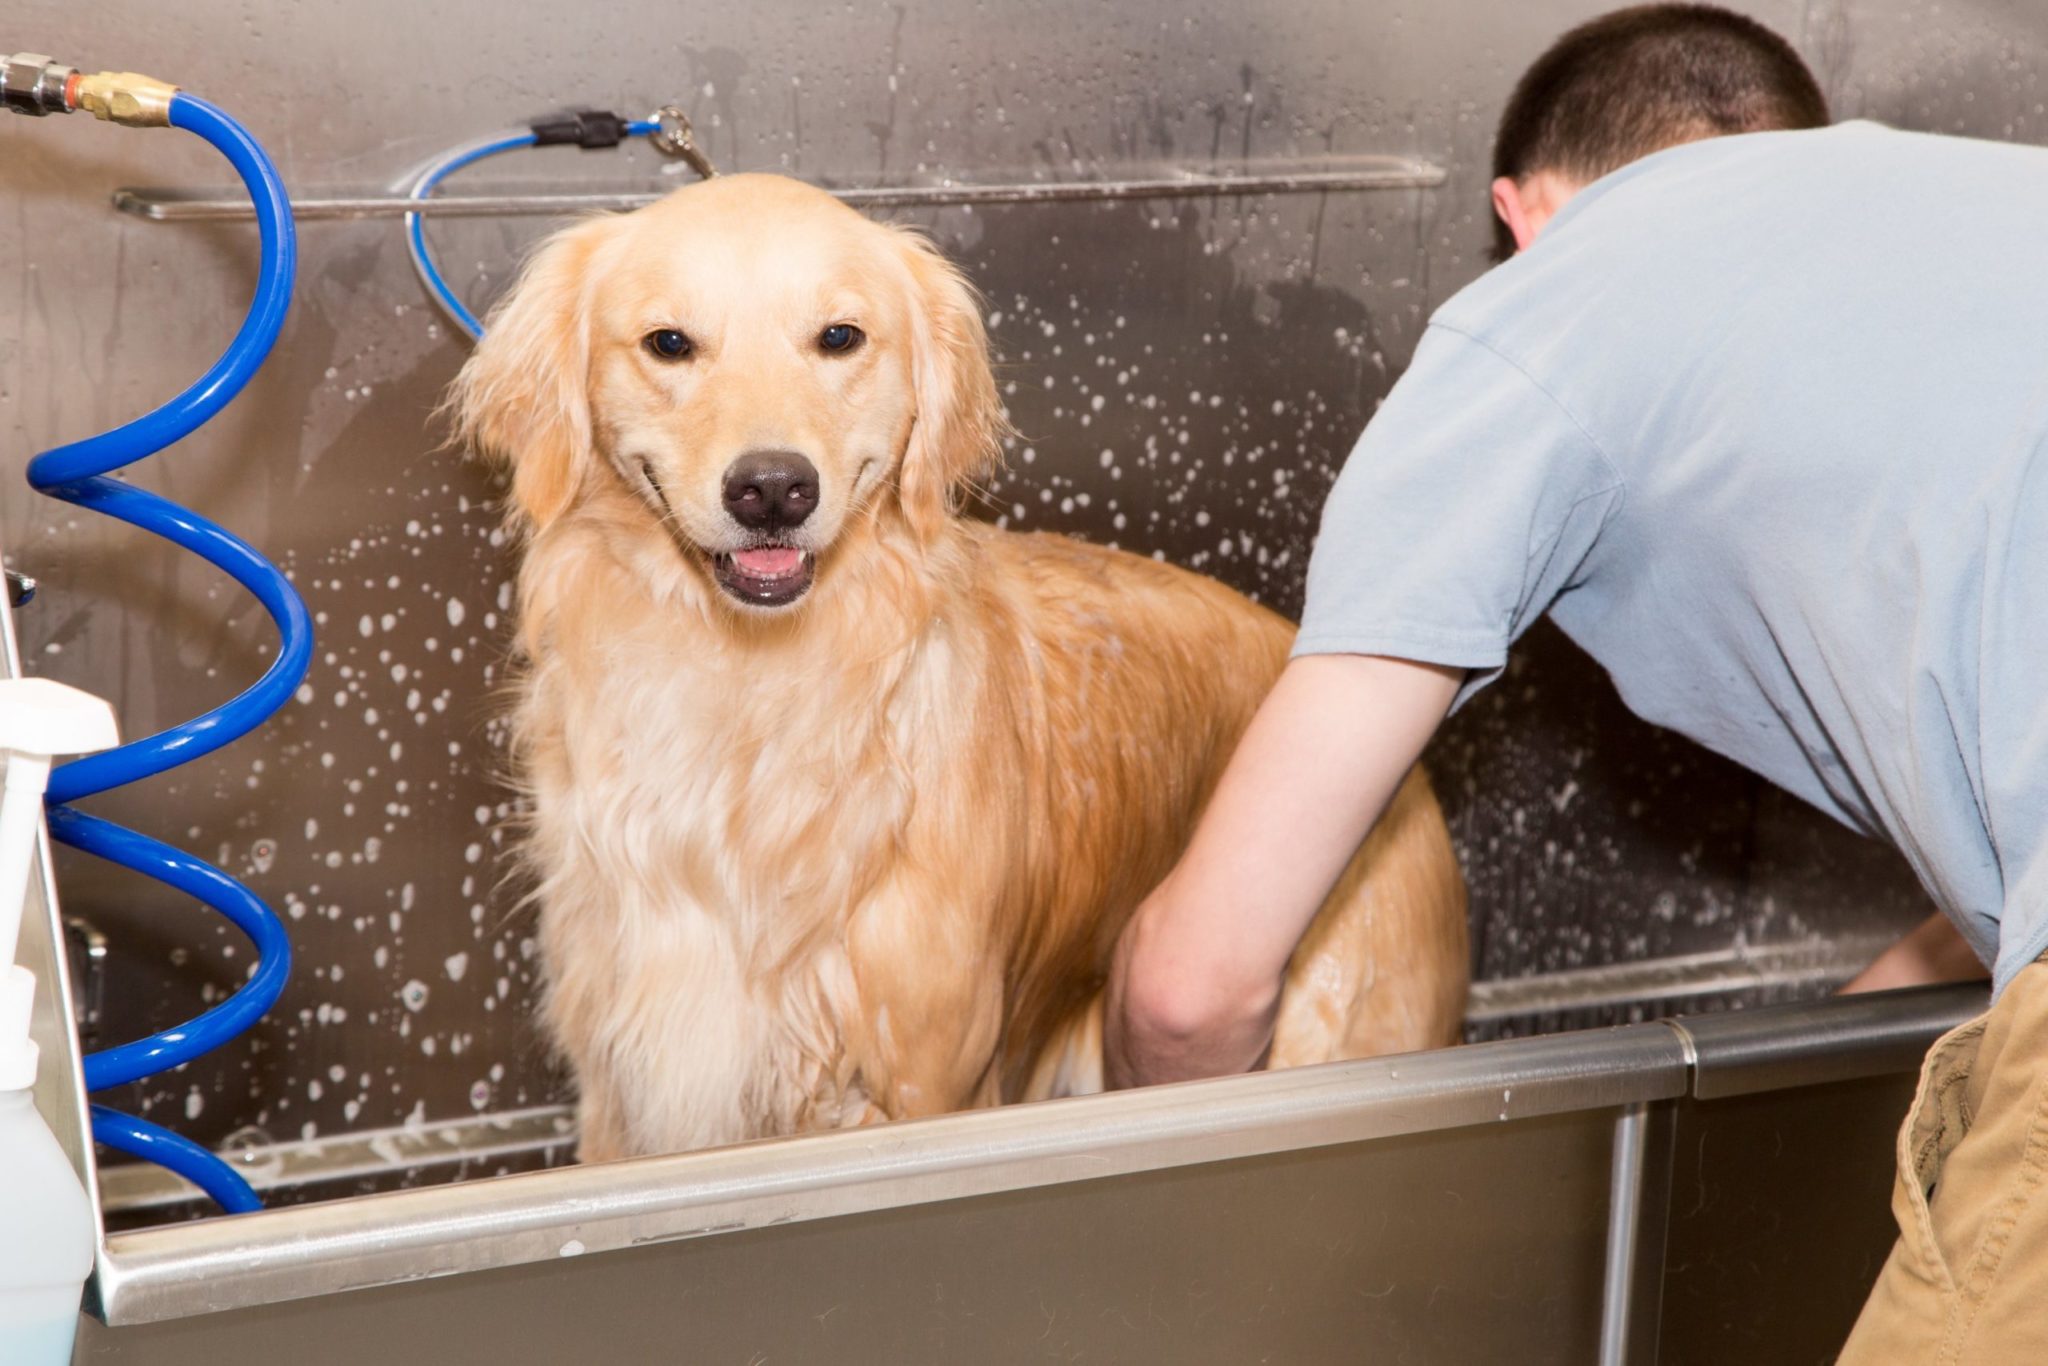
771 490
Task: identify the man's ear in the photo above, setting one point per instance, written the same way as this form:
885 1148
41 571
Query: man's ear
1526 205
1507 205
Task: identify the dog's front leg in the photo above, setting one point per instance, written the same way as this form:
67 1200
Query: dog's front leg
924 1033
600 1122
913 1099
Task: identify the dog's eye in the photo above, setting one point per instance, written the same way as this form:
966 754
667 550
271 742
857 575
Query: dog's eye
667 343
841 337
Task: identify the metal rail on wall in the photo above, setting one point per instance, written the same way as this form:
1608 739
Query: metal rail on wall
1319 176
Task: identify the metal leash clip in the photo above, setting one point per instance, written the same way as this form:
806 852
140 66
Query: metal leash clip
673 137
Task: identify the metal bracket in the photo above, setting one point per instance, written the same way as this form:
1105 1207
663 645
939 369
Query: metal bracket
86 951
1328 175
1638 1215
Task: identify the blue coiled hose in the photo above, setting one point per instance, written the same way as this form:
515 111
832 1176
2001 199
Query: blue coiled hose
77 473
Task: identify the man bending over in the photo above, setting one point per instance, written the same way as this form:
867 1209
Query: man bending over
1755 414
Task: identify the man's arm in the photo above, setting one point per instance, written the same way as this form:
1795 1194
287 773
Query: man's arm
1196 978
1932 951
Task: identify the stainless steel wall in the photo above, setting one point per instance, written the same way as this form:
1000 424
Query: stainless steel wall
1189 375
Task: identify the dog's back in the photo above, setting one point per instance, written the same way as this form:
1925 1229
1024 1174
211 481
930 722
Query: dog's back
1138 679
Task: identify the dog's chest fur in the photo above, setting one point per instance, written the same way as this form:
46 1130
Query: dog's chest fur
708 833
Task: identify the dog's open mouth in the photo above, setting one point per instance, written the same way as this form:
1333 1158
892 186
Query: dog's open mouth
765 575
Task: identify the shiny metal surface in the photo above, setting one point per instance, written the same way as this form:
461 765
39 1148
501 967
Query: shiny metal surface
1482 1244
542 1136
1780 1216
128 98
1626 1181
545 1135
1461 1247
1560 1199
674 136
1842 1039
1675 978
1643 1306
86 950
263 1258
31 83
1354 173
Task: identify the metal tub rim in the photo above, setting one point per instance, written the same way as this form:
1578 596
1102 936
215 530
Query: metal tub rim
366 1241
385 1239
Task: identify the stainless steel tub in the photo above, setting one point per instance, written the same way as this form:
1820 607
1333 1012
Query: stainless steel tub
1708 1189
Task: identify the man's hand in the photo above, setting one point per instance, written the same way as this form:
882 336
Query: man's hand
1196 978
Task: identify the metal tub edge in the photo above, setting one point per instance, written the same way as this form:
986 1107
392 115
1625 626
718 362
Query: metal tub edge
1840 1038
352 1244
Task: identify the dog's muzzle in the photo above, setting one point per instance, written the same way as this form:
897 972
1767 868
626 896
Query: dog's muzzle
768 493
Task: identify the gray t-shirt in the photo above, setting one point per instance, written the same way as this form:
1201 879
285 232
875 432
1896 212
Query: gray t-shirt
1758 421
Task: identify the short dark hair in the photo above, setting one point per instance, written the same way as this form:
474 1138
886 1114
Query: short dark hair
1639 80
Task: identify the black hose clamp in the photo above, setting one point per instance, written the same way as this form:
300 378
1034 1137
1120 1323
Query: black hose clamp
587 128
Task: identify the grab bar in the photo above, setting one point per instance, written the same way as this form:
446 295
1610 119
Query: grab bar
1323 176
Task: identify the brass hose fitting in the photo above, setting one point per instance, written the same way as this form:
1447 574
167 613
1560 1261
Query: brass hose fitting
126 98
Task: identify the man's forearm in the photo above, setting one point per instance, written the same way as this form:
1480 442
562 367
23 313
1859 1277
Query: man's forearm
1198 971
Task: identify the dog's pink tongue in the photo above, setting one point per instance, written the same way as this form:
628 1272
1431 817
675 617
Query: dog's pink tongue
769 562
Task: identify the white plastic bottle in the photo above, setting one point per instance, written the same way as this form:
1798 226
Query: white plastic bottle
46 1228
46 1239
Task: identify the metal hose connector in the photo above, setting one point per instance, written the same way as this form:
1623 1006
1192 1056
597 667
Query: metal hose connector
31 83
126 98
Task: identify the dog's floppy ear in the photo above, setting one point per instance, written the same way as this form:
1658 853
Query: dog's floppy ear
522 397
958 434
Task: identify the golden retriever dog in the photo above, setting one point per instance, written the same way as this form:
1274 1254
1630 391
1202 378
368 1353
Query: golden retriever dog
839 798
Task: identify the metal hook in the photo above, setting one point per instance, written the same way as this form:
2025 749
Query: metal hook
674 137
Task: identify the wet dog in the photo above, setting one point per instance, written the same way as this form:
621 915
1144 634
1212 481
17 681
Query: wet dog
840 798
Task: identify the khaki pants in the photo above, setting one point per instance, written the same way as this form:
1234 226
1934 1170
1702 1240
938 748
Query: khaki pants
1967 1281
